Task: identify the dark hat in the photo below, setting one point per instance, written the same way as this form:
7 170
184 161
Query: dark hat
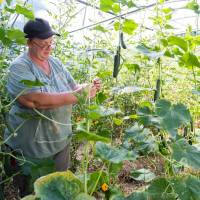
38 28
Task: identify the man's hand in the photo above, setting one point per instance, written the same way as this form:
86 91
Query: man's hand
97 83
92 92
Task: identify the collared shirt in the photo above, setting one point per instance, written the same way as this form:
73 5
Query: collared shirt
38 133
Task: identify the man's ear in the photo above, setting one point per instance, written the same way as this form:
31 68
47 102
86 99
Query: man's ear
29 42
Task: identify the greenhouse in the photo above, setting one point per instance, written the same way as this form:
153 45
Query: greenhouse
99 99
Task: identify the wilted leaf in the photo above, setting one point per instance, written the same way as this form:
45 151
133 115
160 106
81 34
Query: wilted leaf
58 186
143 175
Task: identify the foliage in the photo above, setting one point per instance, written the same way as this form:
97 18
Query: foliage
125 121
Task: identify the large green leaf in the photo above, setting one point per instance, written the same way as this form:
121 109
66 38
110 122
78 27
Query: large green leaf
186 154
114 193
190 59
8 2
193 5
106 5
161 189
171 117
109 5
180 187
24 11
128 3
186 187
88 136
145 115
132 67
167 116
16 35
142 139
128 26
137 196
116 8
93 115
58 186
100 97
114 169
3 37
178 41
113 155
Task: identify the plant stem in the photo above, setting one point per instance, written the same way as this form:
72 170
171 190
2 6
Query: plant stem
16 97
195 80
12 134
45 117
95 185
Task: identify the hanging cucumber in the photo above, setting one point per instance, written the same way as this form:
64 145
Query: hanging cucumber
116 63
191 126
157 91
187 135
185 132
122 40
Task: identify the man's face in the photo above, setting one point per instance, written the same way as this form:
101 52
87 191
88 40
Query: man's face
41 48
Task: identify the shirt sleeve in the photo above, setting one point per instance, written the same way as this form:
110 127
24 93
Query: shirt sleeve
17 73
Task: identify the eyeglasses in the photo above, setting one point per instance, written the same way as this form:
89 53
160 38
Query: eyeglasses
43 47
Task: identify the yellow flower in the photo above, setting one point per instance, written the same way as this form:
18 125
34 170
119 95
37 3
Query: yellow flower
104 187
1 1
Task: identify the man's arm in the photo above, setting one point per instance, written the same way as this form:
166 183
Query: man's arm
53 100
47 100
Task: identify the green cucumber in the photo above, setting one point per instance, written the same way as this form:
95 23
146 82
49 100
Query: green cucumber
157 91
116 63
122 40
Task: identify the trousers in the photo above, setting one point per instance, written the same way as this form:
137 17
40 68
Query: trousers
23 182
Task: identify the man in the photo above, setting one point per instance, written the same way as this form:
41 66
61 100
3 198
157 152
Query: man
47 132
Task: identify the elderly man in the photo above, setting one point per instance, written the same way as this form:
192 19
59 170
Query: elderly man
47 136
